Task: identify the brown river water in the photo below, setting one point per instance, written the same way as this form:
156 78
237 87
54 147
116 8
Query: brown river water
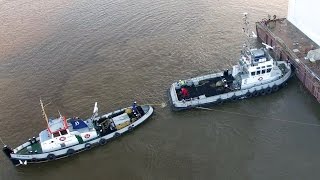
73 53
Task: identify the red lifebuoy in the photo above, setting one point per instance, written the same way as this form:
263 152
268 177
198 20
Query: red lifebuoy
87 136
62 138
260 78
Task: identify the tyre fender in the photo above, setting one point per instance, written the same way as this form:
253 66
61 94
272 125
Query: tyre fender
51 157
255 93
219 101
70 152
102 141
268 90
248 94
275 88
130 128
87 146
116 135
234 98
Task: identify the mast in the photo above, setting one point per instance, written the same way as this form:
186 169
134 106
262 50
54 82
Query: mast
246 30
43 112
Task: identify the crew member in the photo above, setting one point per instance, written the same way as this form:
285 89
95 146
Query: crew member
184 92
134 109
182 83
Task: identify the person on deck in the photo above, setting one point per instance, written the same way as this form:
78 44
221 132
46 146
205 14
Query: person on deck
184 93
182 83
135 109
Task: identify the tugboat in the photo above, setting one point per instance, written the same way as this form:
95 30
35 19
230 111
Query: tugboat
256 73
66 137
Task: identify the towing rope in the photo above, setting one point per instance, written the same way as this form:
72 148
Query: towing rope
2 141
162 105
264 117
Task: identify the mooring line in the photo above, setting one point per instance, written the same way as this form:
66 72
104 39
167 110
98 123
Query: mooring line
2 141
264 117
163 104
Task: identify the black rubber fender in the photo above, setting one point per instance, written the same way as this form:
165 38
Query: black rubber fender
275 88
51 157
102 141
269 90
130 128
219 101
234 98
116 135
34 160
255 93
70 152
263 92
88 146
248 94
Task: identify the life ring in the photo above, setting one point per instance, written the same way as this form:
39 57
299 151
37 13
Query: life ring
260 78
116 135
87 136
275 88
70 152
51 157
87 146
62 138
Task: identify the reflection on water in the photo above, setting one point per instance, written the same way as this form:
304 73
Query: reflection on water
73 53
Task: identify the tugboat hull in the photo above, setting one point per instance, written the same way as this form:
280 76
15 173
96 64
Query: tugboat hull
258 89
24 159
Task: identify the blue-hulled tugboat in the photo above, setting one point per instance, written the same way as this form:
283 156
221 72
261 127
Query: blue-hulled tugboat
65 137
256 73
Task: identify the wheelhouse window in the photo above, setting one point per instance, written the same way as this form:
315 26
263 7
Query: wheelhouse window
63 132
56 134
258 72
269 66
268 70
263 67
263 71
253 73
258 67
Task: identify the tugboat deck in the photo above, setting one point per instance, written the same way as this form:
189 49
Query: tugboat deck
35 147
207 87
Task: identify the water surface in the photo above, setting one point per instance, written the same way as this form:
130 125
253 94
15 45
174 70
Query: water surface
73 53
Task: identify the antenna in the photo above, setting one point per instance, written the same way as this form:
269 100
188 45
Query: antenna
247 30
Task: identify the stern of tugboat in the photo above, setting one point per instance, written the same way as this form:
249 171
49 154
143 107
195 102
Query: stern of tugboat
8 151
